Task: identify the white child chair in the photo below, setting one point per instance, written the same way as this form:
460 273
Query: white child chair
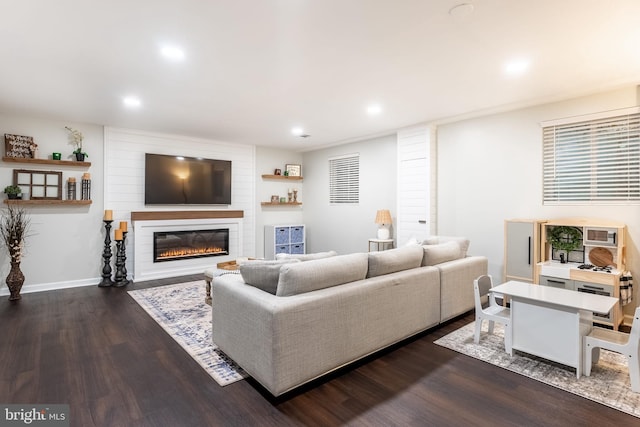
493 313
625 344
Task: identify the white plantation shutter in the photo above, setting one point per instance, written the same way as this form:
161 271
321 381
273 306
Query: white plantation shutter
592 160
344 179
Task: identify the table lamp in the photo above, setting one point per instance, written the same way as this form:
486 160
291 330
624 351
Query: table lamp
383 219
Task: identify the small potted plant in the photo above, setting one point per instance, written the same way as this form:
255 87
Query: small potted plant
12 191
75 139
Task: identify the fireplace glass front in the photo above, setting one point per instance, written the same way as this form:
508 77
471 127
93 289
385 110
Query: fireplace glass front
178 245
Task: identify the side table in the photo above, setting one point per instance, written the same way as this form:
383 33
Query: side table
381 243
212 273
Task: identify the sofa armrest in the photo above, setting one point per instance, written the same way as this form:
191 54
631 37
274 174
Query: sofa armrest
456 284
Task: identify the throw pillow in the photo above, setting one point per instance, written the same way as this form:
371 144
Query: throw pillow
437 254
393 260
436 240
263 274
321 273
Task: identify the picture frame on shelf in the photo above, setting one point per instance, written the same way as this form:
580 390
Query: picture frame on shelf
293 170
19 146
277 172
41 185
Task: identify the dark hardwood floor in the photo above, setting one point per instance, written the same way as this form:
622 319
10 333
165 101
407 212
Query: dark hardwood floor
98 351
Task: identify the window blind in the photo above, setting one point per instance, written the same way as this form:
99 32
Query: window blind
594 161
344 179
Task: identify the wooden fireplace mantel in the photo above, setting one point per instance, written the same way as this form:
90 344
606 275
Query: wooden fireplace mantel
169 215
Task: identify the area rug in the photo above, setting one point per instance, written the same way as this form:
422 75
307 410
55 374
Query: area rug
181 311
608 384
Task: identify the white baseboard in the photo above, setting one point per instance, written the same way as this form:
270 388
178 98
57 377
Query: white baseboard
174 272
41 287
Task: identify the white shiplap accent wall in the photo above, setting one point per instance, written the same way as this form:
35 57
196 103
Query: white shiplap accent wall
124 151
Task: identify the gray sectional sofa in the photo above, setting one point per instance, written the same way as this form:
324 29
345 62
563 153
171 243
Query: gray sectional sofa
288 322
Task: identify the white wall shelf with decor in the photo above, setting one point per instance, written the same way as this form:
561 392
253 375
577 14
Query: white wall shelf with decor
61 187
289 200
287 239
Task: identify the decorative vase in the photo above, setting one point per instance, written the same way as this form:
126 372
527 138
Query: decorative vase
15 280
80 157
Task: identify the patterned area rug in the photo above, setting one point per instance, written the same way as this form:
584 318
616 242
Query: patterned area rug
608 384
181 311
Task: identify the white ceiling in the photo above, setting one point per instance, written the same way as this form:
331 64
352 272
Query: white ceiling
256 68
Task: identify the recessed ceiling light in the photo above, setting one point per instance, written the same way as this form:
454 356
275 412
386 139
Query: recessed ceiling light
132 102
374 109
297 131
172 53
516 67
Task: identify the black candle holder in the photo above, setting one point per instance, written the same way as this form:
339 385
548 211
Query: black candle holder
106 256
121 261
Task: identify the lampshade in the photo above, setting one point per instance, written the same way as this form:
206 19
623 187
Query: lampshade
383 216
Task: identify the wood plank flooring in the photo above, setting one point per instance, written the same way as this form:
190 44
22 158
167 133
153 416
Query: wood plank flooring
98 351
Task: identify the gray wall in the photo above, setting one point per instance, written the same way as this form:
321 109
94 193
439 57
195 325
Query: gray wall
490 169
348 228
64 246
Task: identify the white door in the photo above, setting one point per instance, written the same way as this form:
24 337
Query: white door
413 216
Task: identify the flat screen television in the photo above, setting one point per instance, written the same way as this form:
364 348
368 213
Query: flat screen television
179 180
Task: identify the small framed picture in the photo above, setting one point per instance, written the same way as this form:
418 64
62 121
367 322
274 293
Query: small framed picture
277 172
19 146
275 199
293 170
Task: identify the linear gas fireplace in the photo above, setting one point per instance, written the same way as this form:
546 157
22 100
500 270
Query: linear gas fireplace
178 245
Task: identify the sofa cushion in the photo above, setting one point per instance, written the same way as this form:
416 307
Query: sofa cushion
386 262
321 273
443 252
436 240
307 257
263 274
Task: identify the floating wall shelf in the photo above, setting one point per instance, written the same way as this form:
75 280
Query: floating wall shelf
46 161
281 204
292 178
47 202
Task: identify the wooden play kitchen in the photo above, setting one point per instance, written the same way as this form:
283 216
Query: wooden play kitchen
588 256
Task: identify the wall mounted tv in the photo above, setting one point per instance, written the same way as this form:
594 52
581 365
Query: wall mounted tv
179 180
